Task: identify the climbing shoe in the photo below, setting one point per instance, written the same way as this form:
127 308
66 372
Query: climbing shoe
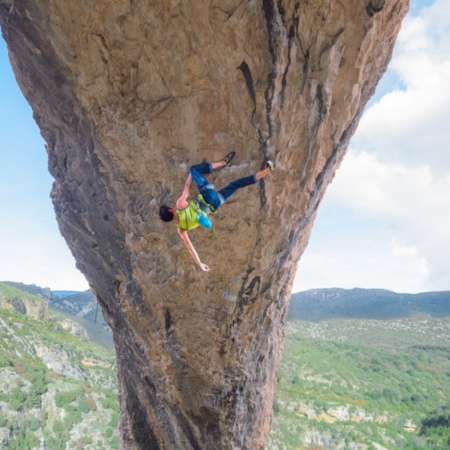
229 158
272 166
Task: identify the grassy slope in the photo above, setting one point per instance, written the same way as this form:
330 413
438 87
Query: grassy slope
394 372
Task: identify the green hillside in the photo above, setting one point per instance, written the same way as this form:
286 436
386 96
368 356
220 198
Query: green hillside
82 307
344 383
55 387
364 384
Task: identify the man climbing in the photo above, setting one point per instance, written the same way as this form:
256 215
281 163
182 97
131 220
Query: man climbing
189 215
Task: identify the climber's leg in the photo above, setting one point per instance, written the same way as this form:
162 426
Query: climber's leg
228 191
198 170
197 173
225 193
204 186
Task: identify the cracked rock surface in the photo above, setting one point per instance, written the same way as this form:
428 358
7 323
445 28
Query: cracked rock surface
128 94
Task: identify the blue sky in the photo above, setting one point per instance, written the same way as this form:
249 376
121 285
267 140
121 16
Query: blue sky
391 232
32 250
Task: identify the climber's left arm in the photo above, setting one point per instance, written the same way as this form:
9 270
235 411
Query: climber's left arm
184 235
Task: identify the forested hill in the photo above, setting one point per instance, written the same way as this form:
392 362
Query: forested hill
321 304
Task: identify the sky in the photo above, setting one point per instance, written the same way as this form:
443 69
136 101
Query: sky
384 221
32 250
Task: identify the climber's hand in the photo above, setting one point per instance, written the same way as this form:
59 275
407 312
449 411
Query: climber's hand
204 267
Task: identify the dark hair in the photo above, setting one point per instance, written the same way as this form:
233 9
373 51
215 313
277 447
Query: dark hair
165 213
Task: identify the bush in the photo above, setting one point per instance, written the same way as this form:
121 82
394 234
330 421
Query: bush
83 405
114 422
17 399
65 398
436 427
61 431
73 416
33 424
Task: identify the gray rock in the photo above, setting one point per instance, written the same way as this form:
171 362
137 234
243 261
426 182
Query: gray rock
59 362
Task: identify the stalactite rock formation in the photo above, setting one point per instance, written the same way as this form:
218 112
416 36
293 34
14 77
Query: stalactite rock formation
128 94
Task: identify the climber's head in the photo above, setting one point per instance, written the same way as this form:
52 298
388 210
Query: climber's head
166 213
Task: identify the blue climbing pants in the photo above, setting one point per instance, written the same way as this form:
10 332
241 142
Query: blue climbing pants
210 195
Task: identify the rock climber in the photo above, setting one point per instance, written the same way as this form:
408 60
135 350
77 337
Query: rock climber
190 214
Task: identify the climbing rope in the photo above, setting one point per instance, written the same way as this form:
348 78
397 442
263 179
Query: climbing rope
227 365
96 312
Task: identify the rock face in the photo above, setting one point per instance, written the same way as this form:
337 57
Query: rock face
26 304
127 95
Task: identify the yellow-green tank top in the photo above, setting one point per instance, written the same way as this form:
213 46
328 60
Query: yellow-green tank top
188 217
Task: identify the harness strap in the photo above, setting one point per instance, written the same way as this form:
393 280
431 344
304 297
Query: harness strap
205 207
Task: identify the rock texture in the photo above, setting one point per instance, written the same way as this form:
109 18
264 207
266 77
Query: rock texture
127 95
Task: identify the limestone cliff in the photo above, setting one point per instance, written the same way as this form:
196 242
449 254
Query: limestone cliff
127 95
23 303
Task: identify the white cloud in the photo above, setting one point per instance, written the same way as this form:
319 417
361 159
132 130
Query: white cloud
414 208
413 123
370 262
409 197
403 250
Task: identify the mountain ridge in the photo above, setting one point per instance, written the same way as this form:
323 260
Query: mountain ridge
321 304
311 305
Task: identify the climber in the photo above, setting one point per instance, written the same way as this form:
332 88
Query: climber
189 215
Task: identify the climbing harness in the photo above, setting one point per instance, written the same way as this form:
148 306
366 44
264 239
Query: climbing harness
204 206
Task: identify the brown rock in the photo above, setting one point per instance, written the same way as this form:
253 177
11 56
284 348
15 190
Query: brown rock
127 95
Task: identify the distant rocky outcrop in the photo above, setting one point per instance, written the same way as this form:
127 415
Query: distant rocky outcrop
85 317
74 303
127 95
81 304
46 293
26 304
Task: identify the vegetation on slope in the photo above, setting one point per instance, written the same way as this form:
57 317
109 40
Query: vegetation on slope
343 383
364 384
55 388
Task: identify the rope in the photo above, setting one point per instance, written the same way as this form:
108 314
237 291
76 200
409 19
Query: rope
227 365
96 312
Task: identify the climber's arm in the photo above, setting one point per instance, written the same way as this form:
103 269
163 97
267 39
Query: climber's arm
182 201
184 235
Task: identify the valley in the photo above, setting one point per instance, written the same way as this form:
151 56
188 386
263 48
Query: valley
345 382
364 384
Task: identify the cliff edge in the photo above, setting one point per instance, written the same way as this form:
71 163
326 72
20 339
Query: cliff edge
128 94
